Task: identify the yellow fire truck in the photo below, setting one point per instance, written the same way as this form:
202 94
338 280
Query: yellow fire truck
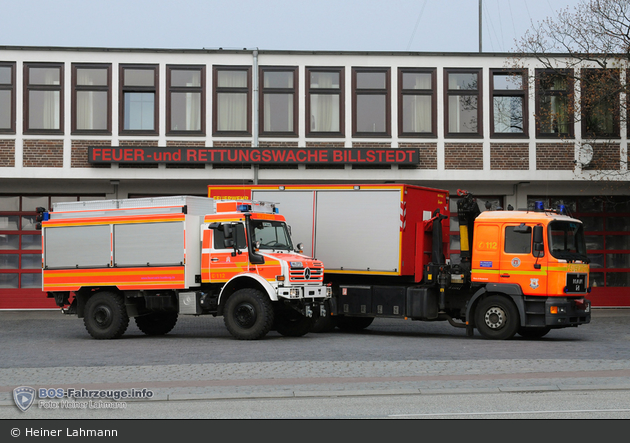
386 251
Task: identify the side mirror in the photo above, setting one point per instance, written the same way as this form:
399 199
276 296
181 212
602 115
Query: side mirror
522 228
538 234
228 243
539 247
228 230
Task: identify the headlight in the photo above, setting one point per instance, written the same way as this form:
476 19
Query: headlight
297 264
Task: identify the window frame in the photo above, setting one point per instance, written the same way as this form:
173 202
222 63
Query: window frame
569 92
325 91
27 88
216 90
476 92
616 134
179 89
373 91
523 93
139 89
261 99
10 87
423 92
76 87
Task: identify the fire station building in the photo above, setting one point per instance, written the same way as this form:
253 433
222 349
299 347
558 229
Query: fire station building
104 123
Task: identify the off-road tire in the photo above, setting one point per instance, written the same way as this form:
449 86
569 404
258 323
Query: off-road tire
496 318
353 324
324 324
291 323
105 315
248 314
157 323
533 332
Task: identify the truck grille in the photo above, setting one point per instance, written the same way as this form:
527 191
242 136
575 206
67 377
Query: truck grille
310 273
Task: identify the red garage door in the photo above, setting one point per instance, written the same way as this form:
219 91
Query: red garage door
21 250
607 228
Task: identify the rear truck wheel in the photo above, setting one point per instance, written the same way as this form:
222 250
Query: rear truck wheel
105 315
248 314
533 332
497 318
291 323
324 324
353 324
157 323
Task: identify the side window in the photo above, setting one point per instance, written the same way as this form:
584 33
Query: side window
139 99
43 98
238 235
518 241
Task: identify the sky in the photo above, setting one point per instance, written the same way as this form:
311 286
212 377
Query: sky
325 25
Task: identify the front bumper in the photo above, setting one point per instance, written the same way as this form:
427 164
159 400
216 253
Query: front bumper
561 312
302 292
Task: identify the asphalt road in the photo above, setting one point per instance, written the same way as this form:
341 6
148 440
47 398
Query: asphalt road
38 339
394 369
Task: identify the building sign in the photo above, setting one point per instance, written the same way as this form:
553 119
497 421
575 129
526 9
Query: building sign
219 155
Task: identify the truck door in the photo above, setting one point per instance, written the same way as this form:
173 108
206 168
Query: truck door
224 261
519 265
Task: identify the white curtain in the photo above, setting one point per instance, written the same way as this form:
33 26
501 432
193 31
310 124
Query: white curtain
85 102
325 107
193 111
232 106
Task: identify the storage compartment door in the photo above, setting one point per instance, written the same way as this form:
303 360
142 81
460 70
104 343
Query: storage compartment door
77 247
149 244
358 230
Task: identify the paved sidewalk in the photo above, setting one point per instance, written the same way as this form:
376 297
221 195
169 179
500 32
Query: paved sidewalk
335 378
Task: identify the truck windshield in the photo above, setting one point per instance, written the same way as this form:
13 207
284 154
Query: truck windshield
272 234
566 240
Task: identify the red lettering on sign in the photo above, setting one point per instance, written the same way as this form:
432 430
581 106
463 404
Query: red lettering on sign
107 154
255 155
138 155
337 156
191 155
96 152
278 155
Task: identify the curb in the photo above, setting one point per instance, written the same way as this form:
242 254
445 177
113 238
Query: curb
369 393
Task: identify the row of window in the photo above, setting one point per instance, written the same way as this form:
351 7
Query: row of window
91 105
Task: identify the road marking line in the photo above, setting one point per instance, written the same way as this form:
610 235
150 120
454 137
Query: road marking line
510 412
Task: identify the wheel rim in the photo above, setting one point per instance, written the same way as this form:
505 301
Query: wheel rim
245 315
495 318
103 316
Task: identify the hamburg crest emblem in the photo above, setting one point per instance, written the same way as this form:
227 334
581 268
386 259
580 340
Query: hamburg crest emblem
533 283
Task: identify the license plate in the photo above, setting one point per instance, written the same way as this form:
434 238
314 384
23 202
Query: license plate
576 283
